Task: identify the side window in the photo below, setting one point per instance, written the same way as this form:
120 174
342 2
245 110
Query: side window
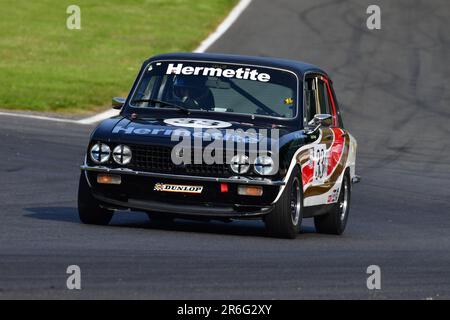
336 105
324 99
310 99
318 100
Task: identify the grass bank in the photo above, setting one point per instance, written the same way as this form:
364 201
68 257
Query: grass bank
44 66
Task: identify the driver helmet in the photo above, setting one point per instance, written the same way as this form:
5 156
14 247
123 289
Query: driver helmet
191 87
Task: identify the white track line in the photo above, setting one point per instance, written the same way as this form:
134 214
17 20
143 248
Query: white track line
221 29
224 26
99 117
32 116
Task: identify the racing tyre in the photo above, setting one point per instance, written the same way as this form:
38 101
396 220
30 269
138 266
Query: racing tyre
89 209
334 221
285 219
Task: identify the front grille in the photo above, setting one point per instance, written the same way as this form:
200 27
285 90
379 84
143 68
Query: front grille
158 159
151 158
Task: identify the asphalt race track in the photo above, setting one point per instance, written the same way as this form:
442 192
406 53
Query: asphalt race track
392 85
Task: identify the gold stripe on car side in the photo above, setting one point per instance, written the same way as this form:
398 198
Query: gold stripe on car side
326 139
328 184
303 157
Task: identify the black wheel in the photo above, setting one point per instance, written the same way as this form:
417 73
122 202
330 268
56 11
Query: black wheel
335 220
89 209
286 218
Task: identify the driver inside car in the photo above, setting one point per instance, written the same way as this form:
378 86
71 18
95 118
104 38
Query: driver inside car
193 92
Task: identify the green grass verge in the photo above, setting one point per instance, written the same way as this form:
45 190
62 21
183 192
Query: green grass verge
46 67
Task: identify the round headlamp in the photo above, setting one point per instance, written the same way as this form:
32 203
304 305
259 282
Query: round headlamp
240 164
264 165
122 154
100 152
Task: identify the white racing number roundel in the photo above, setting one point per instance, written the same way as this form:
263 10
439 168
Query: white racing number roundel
197 123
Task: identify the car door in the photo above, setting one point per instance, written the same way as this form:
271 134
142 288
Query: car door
335 140
326 150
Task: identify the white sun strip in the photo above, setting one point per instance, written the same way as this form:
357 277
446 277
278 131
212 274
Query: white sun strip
221 29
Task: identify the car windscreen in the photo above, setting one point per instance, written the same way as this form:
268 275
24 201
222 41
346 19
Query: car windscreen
217 87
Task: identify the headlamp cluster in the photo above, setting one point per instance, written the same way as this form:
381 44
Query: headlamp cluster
101 153
263 165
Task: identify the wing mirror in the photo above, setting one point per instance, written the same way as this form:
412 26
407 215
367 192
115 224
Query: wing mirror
320 119
117 103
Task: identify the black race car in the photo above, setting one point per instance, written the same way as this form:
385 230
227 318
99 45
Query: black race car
212 136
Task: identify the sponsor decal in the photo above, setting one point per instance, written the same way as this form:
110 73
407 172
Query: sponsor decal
197 123
177 188
240 73
334 196
250 135
142 130
288 101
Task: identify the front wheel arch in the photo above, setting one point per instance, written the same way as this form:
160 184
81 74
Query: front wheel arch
280 222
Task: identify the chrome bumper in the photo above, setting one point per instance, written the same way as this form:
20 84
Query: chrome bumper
240 180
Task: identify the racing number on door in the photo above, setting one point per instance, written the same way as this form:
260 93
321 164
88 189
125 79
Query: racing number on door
320 163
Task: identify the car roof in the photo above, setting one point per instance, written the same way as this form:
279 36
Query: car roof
296 66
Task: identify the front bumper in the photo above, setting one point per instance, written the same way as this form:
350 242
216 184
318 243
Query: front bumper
239 180
137 192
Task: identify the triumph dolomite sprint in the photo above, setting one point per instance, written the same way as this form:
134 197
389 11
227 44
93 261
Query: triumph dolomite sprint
212 136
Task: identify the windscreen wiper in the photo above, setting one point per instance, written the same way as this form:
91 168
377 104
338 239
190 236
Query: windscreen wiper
164 104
